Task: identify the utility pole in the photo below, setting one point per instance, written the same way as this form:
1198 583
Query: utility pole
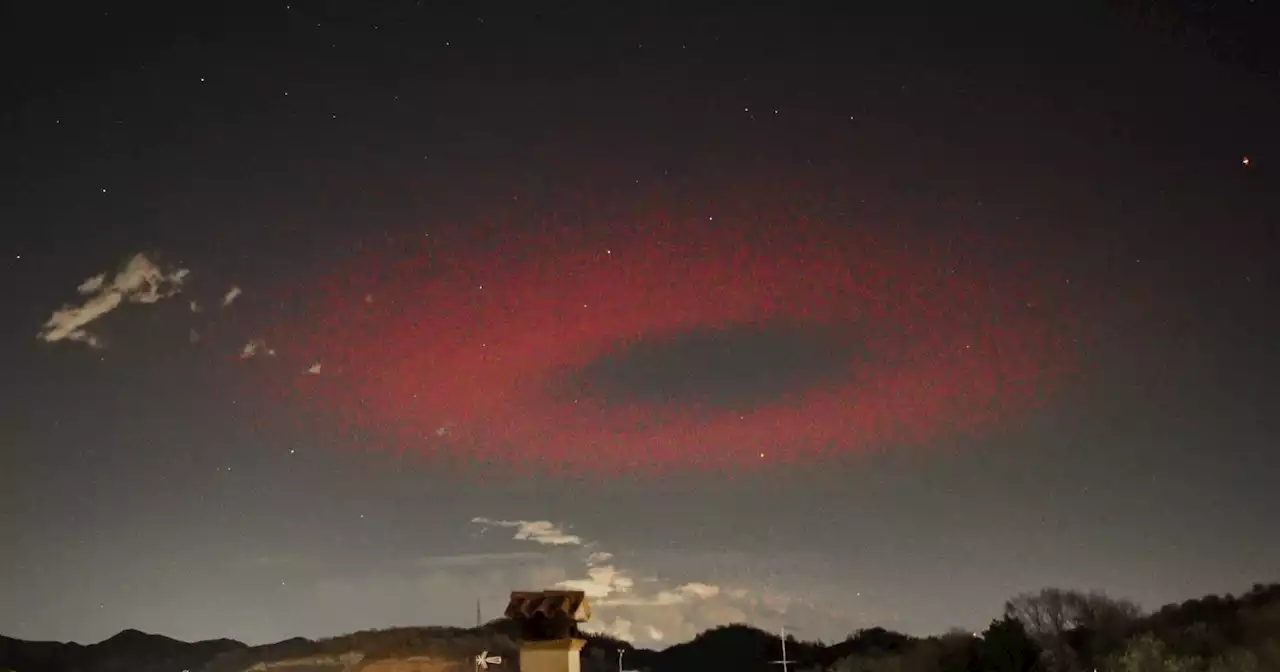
784 662
620 652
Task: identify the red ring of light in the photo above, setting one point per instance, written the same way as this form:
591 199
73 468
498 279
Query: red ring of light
454 353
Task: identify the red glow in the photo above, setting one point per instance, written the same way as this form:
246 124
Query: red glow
452 353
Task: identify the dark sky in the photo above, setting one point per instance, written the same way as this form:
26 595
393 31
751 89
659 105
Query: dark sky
887 312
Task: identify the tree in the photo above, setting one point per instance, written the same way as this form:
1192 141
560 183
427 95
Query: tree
1006 647
1052 612
1148 654
1074 629
957 651
1236 660
920 657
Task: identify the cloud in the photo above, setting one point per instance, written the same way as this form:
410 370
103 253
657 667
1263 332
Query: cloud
647 611
231 295
679 595
314 369
537 531
255 346
92 285
601 582
140 281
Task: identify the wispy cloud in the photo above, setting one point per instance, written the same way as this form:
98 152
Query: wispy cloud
231 295
537 531
140 281
256 347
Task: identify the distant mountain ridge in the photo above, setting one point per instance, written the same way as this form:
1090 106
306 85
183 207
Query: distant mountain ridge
127 651
1214 633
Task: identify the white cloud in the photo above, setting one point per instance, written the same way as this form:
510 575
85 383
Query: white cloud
601 582
254 347
140 281
231 295
314 369
92 285
537 531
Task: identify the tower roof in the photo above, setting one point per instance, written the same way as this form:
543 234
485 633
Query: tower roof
550 604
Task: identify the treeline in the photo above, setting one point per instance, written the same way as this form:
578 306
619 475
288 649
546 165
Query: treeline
1082 632
1051 630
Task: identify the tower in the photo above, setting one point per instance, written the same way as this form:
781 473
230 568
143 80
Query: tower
548 629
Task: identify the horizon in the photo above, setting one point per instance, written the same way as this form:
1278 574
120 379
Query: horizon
790 634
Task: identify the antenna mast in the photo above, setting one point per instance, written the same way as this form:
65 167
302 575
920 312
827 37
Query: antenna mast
784 662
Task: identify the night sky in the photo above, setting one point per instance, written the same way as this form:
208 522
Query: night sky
341 315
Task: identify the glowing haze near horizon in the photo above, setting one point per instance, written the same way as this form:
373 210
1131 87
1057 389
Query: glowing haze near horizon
328 319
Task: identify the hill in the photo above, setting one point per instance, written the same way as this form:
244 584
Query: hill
1049 631
128 651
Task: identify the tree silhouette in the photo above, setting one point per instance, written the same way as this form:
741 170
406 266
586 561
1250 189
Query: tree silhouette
1006 647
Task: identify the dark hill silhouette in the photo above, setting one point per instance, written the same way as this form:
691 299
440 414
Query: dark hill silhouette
1214 634
128 651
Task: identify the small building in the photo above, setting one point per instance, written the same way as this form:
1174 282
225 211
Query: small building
549 637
